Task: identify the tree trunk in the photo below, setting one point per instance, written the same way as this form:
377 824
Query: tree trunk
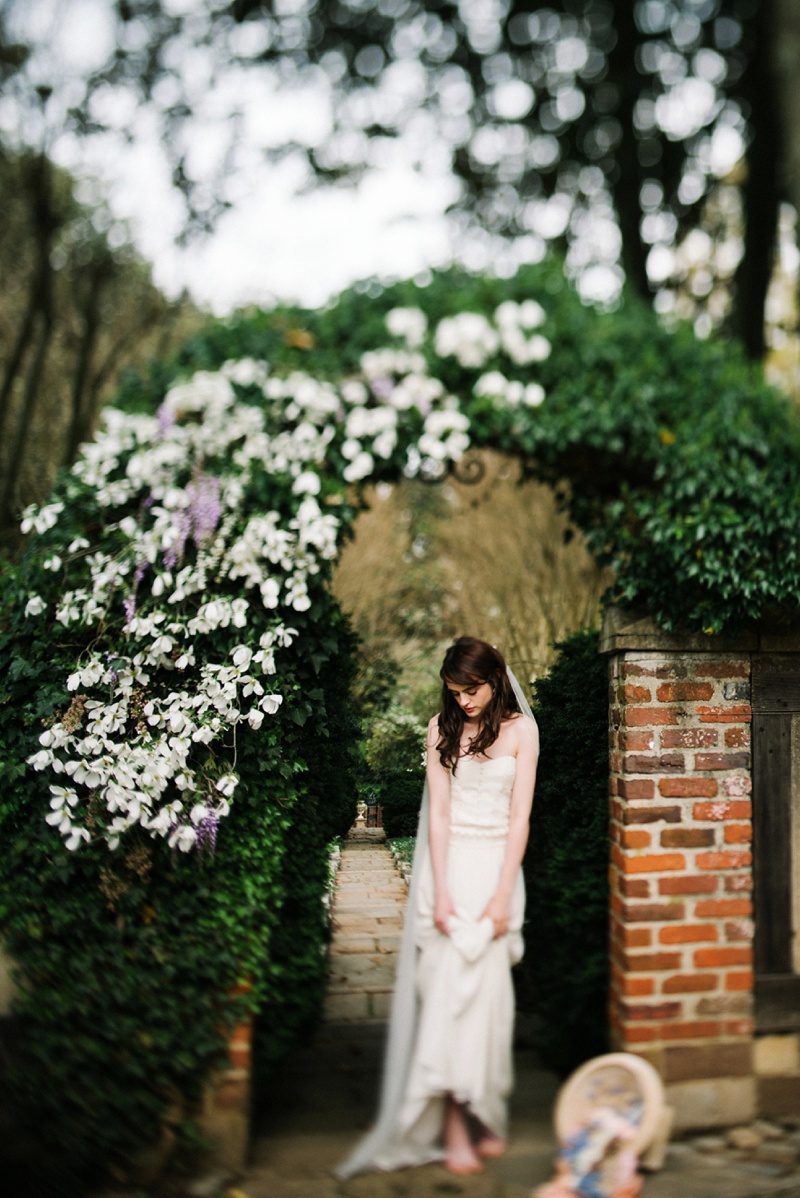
625 188
761 194
81 417
29 405
17 355
38 328
784 49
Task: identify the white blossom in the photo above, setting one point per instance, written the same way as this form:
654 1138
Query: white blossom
242 656
76 837
246 372
359 468
136 737
41 519
307 483
409 323
527 315
510 392
468 337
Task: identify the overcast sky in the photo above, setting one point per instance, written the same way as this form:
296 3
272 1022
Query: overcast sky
277 244
273 242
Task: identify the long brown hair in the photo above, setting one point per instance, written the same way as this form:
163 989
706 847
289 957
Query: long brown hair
470 662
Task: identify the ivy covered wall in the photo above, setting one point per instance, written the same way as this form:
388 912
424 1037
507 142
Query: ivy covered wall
175 732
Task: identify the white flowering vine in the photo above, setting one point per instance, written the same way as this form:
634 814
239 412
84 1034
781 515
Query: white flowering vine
189 552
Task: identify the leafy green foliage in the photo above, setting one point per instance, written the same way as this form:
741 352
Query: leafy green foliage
681 464
402 848
563 976
400 796
682 470
394 755
132 965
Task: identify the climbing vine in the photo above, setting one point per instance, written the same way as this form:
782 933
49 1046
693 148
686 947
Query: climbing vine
177 741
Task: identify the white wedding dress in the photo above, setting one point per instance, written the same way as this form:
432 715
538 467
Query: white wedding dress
464 1008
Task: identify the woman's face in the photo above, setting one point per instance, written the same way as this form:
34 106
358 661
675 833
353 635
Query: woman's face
472 698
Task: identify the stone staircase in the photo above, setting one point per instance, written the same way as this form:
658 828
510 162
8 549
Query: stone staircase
367 921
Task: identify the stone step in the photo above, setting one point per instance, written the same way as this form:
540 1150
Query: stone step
367 922
363 924
365 942
371 894
366 865
356 1007
361 970
372 877
362 912
367 877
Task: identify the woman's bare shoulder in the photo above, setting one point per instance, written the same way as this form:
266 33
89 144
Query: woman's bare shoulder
433 730
525 728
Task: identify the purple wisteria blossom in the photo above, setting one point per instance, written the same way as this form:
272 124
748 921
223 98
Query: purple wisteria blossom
129 604
166 418
199 520
382 388
207 834
183 524
114 673
205 508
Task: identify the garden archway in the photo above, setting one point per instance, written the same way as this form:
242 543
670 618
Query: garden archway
171 627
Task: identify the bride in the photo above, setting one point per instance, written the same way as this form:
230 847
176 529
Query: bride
447 1069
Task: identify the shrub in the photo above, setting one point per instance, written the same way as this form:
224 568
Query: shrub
394 754
563 976
131 960
683 464
400 796
215 526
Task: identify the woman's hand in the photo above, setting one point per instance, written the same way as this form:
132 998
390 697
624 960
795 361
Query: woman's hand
442 910
498 910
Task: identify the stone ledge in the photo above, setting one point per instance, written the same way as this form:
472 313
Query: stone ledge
712 1102
366 836
626 631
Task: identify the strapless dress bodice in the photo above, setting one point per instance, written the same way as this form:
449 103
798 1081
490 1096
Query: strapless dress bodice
480 797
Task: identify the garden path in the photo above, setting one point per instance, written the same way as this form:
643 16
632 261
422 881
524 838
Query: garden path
325 1094
367 925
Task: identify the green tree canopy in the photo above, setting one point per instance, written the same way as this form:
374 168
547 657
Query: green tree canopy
610 127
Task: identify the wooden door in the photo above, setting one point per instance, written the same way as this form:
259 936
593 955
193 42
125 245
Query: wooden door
776 840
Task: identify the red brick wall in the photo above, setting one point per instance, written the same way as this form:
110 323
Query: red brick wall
681 912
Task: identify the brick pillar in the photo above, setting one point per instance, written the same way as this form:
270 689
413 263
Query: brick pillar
225 1116
681 876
